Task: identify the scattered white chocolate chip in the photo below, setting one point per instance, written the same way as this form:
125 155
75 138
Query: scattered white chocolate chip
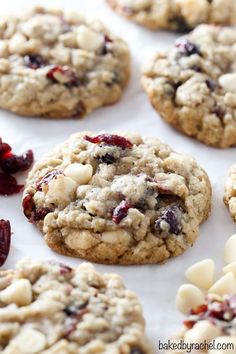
202 331
224 341
119 236
188 296
230 268
228 82
28 341
17 44
88 39
225 285
61 190
19 293
81 174
230 250
201 273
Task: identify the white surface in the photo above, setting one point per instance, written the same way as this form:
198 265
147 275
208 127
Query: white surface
156 285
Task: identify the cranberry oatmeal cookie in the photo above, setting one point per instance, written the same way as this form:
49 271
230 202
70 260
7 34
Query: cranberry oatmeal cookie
230 191
193 86
59 65
117 199
177 15
50 308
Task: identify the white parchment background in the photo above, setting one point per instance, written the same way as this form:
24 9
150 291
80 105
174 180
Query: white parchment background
156 285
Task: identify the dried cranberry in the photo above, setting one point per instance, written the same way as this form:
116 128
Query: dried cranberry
34 61
219 111
80 110
187 48
211 84
8 185
64 269
5 150
200 309
5 240
179 24
76 311
40 214
121 211
16 163
108 159
47 178
110 139
171 216
136 350
189 324
71 79
28 206
107 39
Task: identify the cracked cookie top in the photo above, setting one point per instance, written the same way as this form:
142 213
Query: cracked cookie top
59 65
193 85
117 198
177 15
51 308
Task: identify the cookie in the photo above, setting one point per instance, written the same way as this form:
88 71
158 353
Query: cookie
51 308
59 65
193 88
117 199
230 191
177 15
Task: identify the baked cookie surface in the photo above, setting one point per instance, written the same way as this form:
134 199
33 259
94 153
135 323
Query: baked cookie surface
51 308
59 65
177 15
117 199
230 191
193 86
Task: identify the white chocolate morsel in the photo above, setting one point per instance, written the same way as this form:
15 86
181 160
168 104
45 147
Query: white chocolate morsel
188 296
228 341
202 331
88 39
28 341
61 190
230 250
81 174
202 273
136 4
19 293
230 268
226 285
119 236
228 82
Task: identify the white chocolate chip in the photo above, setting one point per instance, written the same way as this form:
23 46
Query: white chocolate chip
19 293
225 285
194 11
230 268
28 341
188 297
230 250
61 190
224 341
119 236
88 39
81 174
17 44
228 82
202 331
201 273
136 4
73 18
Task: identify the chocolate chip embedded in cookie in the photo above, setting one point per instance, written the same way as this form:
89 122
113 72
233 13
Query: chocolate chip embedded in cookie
117 199
59 65
193 88
52 308
177 15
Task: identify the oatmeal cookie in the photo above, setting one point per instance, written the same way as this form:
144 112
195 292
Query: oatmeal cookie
117 199
193 86
59 65
50 308
230 191
177 15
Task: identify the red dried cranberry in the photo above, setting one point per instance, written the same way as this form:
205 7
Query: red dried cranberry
5 240
172 216
47 178
64 269
121 211
14 163
28 206
80 110
108 159
8 184
211 84
187 48
34 61
200 309
189 324
40 214
71 77
110 139
5 150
